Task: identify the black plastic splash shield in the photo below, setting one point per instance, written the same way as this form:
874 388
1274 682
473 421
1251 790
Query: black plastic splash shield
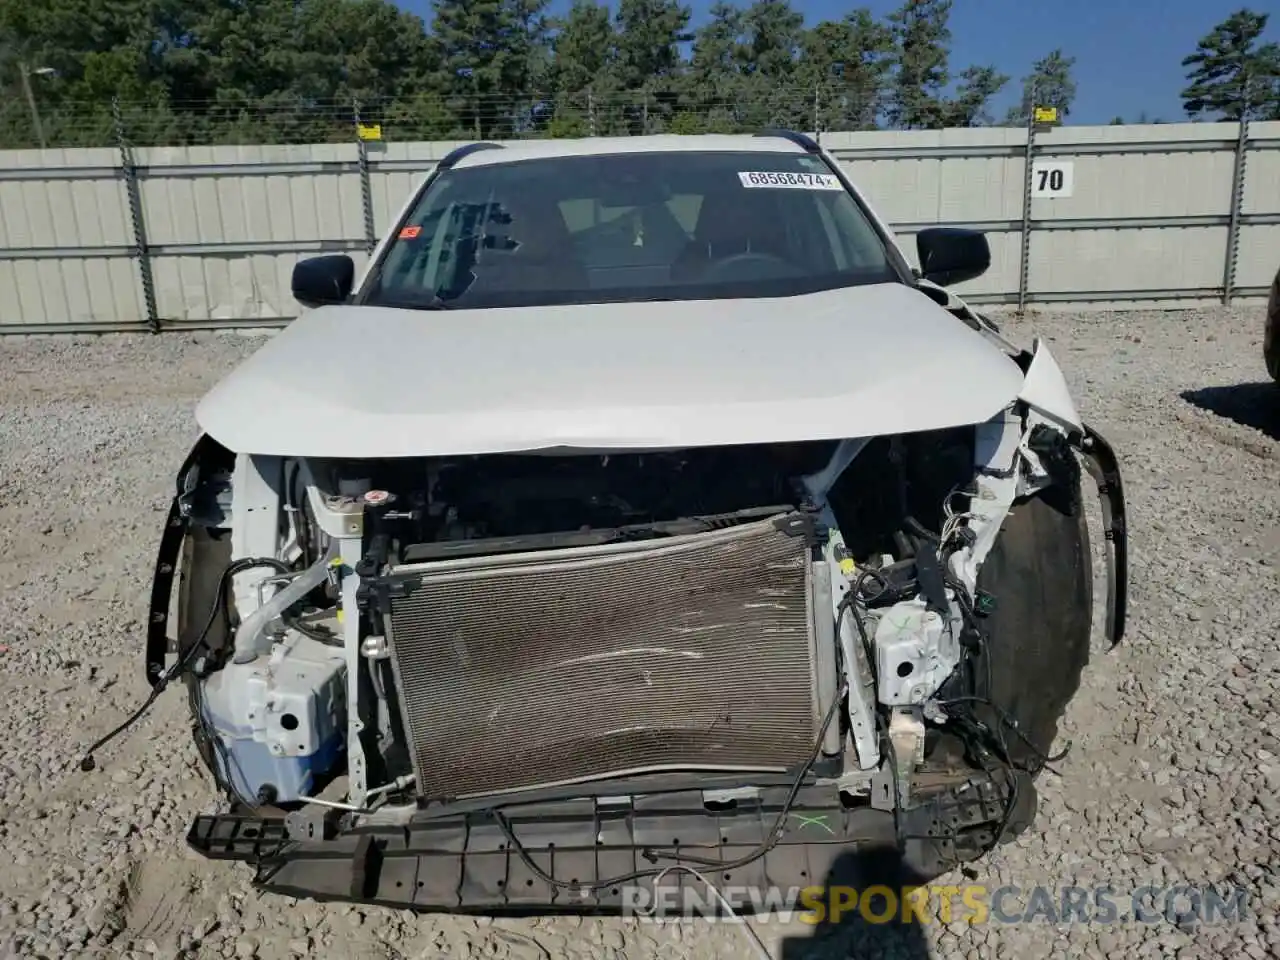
465 864
206 450
1102 464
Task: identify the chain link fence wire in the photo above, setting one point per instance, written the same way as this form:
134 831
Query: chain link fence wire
285 119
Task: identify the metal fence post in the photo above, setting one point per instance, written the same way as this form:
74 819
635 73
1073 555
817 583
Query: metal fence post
1233 218
141 251
1024 265
366 188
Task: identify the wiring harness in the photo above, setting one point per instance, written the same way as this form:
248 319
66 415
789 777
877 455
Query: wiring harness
188 657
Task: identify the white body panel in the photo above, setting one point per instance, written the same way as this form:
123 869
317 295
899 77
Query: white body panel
1046 390
354 381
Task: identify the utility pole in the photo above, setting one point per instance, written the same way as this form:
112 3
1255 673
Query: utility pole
26 73
1024 237
1237 190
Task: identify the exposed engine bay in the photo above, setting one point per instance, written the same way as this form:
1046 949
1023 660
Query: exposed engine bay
378 643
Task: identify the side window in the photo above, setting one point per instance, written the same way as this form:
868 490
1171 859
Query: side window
800 229
439 257
586 212
684 207
579 214
835 242
860 243
409 264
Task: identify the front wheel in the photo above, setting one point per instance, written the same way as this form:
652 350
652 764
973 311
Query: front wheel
1037 642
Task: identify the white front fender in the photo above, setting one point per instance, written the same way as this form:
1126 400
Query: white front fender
1045 389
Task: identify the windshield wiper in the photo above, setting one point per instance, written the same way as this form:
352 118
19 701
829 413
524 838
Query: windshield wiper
435 303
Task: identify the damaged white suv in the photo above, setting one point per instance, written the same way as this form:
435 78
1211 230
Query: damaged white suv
640 505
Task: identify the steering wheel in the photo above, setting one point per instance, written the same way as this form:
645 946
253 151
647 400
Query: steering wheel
771 264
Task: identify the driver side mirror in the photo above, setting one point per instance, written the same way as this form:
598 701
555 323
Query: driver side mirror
951 255
318 281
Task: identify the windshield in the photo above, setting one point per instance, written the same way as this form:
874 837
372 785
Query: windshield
628 227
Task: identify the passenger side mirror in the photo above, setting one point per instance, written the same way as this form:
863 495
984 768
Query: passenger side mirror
950 255
318 281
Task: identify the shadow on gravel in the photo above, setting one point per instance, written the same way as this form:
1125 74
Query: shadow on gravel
1255 405
853 934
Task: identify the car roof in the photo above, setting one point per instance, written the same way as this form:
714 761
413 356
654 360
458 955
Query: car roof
600 146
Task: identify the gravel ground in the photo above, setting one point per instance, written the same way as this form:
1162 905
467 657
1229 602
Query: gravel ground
1173 775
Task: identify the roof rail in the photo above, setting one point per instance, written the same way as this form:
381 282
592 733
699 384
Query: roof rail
453 156
804 141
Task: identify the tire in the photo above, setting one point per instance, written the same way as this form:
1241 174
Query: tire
1271 332
1040 572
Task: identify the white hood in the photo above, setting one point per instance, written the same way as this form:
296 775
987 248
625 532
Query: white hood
351 381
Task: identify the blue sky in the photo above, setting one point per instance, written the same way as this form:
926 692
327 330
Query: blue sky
1128 52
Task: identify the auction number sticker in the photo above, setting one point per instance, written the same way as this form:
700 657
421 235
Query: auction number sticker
791 181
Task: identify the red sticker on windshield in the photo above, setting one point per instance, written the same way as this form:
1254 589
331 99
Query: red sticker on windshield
410 233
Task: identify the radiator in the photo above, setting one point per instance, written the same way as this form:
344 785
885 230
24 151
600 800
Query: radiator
539 669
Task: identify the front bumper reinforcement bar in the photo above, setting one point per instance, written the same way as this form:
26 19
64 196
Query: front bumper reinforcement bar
465 863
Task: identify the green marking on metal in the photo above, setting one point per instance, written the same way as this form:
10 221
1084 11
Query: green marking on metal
819 820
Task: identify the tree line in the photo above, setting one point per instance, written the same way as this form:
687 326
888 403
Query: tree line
82 72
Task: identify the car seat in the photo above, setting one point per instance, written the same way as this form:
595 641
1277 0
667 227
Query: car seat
532 251
731 222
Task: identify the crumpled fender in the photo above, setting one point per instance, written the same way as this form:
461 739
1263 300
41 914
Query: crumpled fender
1045 389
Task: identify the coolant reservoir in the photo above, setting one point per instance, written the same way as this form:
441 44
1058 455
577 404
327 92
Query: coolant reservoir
281 720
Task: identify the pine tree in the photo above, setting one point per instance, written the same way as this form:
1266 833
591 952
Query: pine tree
921 34
581 74
1232 75
1048 85
491 54
649 64
977 86
848 63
